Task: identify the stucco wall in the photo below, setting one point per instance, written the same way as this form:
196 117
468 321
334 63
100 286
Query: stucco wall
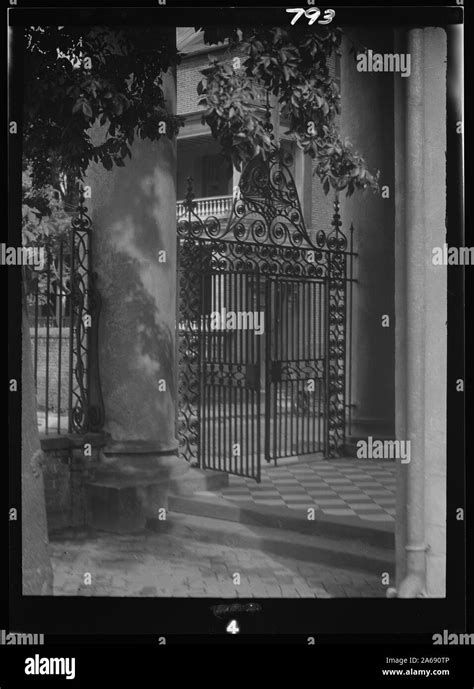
367 120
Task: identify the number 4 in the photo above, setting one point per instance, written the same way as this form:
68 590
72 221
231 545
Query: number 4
233 627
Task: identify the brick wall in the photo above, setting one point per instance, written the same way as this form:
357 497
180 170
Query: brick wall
188 77
48 361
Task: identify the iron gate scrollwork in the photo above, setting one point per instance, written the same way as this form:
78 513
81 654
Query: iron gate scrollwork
85 397
64 308
272 384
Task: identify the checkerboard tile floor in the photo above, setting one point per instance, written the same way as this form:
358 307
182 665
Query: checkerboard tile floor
348 488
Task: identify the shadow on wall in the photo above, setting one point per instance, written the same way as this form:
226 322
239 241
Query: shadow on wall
155 339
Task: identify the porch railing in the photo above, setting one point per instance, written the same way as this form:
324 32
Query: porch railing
210 205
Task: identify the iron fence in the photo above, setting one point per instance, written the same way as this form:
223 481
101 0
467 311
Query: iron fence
63 310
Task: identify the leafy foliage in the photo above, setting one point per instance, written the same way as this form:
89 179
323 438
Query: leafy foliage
46 222
78 76
46 225
292 66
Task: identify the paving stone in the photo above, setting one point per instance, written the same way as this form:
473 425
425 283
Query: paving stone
165 565
285 580
336 591
289 592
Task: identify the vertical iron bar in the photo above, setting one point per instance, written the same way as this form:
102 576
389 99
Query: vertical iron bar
48 295
228 336
294 356
206 405
241 307
229 299
202 401
71 325
282 384
256 454
203 405
261 416
275 346
274 330
214 357
36 331
306 443
278 382
297 326
257 393
285 349
307 286
249 418
235 360
303 382
60 334
351 246
268 364
343 353
327 405
233 388
223 289
214 454
318 305
317 386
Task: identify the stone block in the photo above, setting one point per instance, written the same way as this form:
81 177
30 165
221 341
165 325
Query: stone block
195 480
115 508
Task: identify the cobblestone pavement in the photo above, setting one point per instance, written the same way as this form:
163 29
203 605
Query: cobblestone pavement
167 565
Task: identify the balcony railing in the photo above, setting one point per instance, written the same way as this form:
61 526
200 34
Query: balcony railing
219 206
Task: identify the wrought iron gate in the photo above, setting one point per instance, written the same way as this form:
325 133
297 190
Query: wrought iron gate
296 368
262 328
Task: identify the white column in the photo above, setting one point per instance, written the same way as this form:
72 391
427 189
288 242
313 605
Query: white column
421 304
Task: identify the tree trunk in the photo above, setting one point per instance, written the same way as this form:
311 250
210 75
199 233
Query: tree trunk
37 570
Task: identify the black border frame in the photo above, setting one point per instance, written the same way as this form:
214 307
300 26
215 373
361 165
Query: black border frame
371 621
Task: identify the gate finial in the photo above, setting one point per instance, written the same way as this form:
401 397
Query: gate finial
336 240
336 218
189 203
268 126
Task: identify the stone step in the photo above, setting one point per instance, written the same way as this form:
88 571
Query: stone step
195 480
350 553
376 534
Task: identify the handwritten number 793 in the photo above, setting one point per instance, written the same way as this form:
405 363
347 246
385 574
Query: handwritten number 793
312 14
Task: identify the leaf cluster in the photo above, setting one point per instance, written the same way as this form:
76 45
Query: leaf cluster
293 67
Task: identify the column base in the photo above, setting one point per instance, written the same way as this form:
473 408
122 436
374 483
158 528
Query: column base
131 485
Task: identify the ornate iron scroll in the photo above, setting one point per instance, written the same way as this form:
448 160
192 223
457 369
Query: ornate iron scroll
265 236
86 406
337 276
266 211
189 348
